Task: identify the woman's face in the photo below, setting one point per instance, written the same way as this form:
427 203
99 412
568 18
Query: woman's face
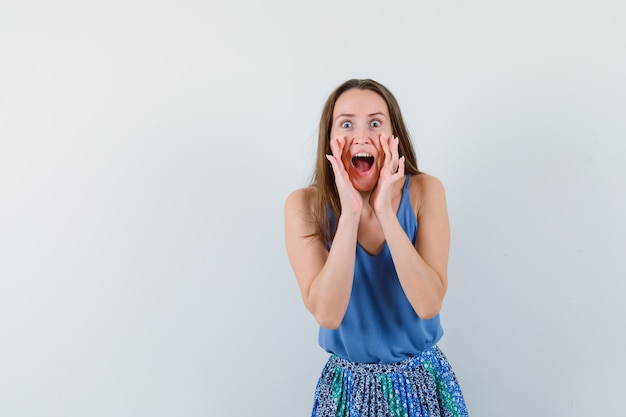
361 117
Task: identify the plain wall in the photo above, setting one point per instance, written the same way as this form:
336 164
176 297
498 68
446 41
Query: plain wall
147 148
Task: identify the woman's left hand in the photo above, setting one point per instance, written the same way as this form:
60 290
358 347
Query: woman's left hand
391 172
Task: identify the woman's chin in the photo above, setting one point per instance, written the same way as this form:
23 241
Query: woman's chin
364 184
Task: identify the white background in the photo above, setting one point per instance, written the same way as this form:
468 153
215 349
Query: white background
147 147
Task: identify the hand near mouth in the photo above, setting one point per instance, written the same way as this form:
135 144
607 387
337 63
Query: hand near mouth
350 198
391 172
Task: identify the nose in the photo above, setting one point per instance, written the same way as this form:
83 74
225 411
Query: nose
361 136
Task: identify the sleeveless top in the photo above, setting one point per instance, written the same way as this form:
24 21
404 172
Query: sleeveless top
380 325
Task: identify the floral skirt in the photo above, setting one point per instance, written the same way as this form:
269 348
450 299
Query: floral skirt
419 386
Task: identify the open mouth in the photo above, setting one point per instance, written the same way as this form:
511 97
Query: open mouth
362 162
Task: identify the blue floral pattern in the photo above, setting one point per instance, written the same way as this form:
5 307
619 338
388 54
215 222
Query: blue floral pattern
419 386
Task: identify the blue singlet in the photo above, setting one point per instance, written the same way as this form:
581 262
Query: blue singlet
380 325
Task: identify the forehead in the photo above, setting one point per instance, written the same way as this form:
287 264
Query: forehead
360 102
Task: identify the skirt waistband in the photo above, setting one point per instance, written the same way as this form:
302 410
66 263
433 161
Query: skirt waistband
384 368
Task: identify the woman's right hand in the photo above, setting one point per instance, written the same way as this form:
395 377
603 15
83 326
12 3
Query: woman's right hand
324 275
350 198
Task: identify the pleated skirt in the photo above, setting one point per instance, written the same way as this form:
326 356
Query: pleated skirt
419 386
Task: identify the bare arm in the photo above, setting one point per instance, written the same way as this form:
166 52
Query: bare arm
423 268
324 277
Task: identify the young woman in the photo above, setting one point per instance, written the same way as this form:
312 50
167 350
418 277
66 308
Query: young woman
368 242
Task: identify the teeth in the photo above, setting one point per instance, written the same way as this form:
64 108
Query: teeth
362 155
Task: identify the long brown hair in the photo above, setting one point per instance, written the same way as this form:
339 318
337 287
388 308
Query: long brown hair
328 208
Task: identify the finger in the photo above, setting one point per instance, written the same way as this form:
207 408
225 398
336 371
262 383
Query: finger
392 148
334 161
399 174
396 146
384 144
335 167
401 166
337 146
333 144
394 151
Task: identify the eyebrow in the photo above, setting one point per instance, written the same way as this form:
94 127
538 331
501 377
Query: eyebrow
352 115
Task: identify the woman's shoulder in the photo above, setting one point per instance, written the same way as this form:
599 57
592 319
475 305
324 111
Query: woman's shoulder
302 198
425 189
425 183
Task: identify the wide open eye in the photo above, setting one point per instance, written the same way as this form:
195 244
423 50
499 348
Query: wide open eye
346 125
375 123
